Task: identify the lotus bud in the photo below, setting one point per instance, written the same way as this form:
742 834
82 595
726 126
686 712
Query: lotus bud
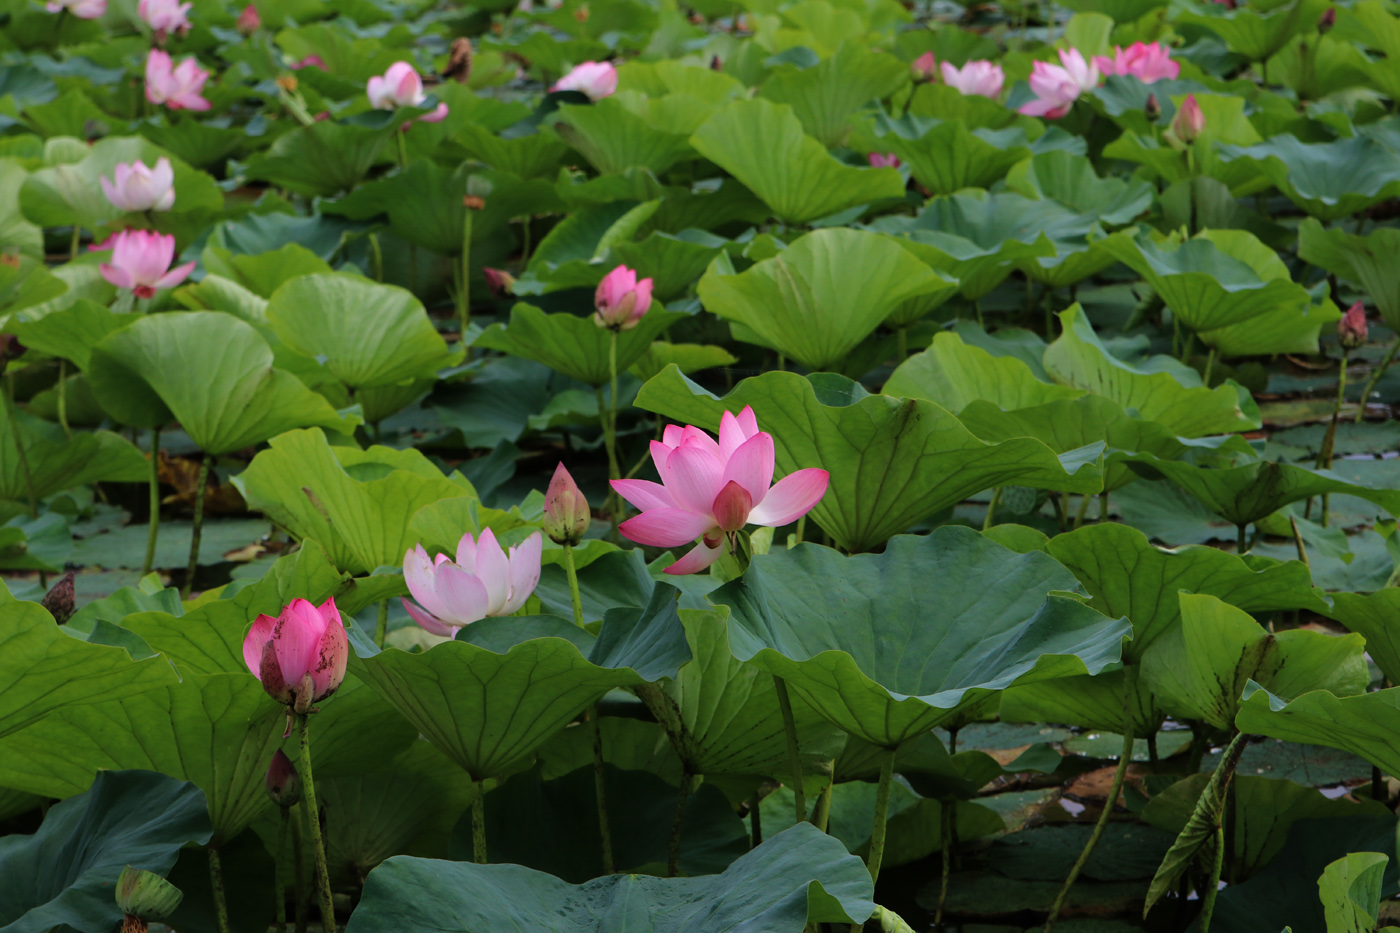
1351 329
883 160
249 21
923 68
61 600
1152 110
1189 122
566 514
621 299
498 280
1326 21
144 896
282 782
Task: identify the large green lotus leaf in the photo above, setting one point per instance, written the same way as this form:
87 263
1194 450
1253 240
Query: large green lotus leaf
944 155
29 284
490 699
573 345
796 875
15 231
1226 123
572 254
1367 261
1123 98
1364 725
354 503
368 334
1070 180
63 876
948 103
1188 409
260 274
1075 261
892 461
982 238
217 731
1351 889
1090 702
1120 11
1249 493
208 370
423 203
1265 810
729 710
328 157
65 194
1199 669
613 137
806 303
762 144
889 665
672 262
1251 32
954 374
1328 180
1371 25
43 669
56 462
69 333
1376 617
825 95
659 78
537 155
1126 575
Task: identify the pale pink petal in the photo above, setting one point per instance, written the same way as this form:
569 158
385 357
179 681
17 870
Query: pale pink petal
693 477
464 597
118 277
428 621
524 572
466 553
493 570
253 642
175 276
698 558
666 527
644 494
791 498
731 435
420 574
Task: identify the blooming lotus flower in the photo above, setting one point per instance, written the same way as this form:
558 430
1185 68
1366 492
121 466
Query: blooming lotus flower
83 9
177 87
300 656
883 160
165 16
711 489
1351 329
1188 124
621 300
975 79
249 21
401 86
1057 87
484 581
138 188
1148 63
566 514
596 79
140 260
922 68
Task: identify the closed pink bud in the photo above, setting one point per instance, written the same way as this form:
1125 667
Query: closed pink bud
595 79
621 299
566 514
923 68
498 281
1351 329
141 262
1327 20
883 160
249 21
1189 122
282 782
301 655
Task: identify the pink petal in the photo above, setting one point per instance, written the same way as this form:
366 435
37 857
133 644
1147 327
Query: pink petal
667 527
332 656
693 477
751 466
253 642
466 553
297 639
791 498
492 569
118 277
644 494
698 558
524 572
428 621
175 276
731 435
464 597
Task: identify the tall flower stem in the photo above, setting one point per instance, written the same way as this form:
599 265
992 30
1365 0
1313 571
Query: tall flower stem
794 754
1375 378
412 247
299 878
381 627
12 412
478 823
197 531
673 858
63 398
279 877
600 789
571 572
948 813
464 304
318 846
877 832
216 884
610 441
618 511
1124 759
1329 442
153 523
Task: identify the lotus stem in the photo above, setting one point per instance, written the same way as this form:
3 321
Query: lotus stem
12 411
882 809
902 342
1083 510
1210 367
1241 542
755 819
1375 378
279 876
63 398
198 529
478 823
1212 887
153 522
948 814
318 846
821 813
600 790
299 878
1298 543
381 627
990 518
216 884
794 754
464 305
610 441
673 858
571 572
1124 759
75 243
376 258
1329 441
524 242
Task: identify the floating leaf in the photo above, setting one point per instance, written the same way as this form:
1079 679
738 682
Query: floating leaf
1071 180
572 345
954 374
1328 180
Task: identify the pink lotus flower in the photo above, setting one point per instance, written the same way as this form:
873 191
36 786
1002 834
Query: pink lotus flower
300 656
596 79
1351 329
165 16
83 9
401 86
249 21
922 69
621 300
178 87
138 188
883 160
140 259
975 79
566 513
1057 88
710 490
1147 63
484 581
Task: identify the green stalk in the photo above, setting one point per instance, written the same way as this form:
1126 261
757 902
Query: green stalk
153 524
216 883
197 532
77 241
63 398
1329 442
299 878
610 441
1241 542
755 819
673 858
571 572
992 508
612 417
1375 378
525 241
799 796
1210 365
464 305
478 823
12 411
1083 510
279 877
902 341
318 846
948 814
1124 759
381 627
882 809
1212 887
600 791
821 813
376 258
